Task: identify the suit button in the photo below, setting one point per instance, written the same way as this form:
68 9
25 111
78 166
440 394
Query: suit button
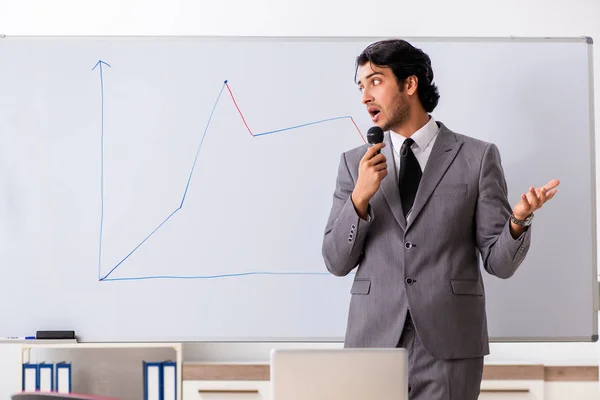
410 281
408 245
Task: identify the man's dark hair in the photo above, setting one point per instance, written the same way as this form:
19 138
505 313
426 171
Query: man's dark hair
405 60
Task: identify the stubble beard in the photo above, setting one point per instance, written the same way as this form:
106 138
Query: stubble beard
399 115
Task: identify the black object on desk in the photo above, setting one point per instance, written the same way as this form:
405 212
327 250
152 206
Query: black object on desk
55 335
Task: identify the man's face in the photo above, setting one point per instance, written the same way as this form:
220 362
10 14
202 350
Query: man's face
386 104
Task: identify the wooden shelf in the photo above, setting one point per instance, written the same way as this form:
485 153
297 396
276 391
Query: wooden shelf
258 371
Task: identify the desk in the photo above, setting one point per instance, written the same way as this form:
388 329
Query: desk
250 381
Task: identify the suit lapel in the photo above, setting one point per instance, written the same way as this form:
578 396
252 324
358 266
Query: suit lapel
389 184
443 153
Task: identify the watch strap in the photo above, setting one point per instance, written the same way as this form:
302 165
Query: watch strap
521 222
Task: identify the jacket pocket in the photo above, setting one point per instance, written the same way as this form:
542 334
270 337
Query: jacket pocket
450 189
470 287
361 286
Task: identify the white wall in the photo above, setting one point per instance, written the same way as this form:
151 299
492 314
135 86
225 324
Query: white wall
313 18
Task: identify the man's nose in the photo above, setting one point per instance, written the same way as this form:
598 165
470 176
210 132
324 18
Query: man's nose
366 97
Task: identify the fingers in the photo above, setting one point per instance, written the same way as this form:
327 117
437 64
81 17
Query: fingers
551 194
372 150
381 166
379 158
542 195
532 197
377 163
552 184
526 201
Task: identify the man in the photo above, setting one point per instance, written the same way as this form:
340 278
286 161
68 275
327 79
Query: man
412 213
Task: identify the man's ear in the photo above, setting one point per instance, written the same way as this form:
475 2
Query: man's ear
411 84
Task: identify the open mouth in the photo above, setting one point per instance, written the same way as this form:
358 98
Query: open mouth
374 112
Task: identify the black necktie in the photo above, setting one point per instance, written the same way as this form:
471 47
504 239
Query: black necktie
410 176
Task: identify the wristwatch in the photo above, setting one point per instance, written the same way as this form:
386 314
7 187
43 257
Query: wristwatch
522 222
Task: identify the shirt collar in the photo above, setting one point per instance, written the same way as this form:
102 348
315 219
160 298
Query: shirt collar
422 137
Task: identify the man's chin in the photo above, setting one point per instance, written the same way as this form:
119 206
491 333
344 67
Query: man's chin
384 127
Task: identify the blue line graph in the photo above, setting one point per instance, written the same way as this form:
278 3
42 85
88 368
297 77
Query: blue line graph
302 125
99 64
106 277
214 276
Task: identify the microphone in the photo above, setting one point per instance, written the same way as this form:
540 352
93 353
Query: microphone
374 136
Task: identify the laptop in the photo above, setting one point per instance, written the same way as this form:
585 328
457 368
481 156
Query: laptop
347 373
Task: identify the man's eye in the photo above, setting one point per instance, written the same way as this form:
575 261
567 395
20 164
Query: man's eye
376 81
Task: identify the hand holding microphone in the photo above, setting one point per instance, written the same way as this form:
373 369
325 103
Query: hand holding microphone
371 171
374 136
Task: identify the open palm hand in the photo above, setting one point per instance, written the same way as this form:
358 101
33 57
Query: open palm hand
534 199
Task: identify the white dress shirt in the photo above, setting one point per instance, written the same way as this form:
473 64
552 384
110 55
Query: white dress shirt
424 139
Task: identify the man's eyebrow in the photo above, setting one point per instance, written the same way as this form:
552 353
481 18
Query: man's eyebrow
370 75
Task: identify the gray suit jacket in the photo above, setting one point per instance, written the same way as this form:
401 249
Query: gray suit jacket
429 265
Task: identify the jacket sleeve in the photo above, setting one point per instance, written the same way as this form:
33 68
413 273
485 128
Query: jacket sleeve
500 252
345 231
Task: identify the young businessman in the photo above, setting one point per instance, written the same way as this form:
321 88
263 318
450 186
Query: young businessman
414 214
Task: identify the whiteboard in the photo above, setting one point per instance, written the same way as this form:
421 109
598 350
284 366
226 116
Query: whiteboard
177 188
